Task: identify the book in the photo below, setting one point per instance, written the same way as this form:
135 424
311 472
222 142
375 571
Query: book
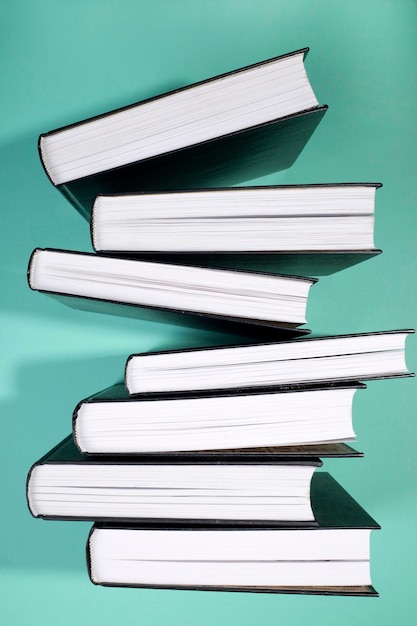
238 224
331 559
111 422
230 128
64 484
361 356
172 293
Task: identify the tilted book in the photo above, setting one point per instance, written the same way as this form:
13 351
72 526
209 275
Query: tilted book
360 356
111 422
222 131
233 300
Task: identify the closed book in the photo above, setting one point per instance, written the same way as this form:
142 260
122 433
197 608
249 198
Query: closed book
317 227
230 128
333 558
111 422
64 484
227 299
360 356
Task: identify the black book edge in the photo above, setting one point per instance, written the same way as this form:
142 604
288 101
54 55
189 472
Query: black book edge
71 197
314 262
187 258
363 591
316 385
246 327
342 503
234 325
282 388
261 455
118 392
241 188
66 452
249 345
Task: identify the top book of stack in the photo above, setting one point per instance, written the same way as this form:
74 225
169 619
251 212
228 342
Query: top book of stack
221 131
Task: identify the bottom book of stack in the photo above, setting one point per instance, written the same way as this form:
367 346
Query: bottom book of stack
331 558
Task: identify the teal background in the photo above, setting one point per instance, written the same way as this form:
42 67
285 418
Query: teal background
63 61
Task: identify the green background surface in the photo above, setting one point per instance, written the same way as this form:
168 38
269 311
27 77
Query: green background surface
63 61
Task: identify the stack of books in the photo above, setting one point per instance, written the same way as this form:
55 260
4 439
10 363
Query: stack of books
200 470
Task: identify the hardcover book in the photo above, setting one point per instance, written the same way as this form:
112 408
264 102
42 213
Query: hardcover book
111 422
332 558
260 227
361 356
236 300
64 484
222 131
